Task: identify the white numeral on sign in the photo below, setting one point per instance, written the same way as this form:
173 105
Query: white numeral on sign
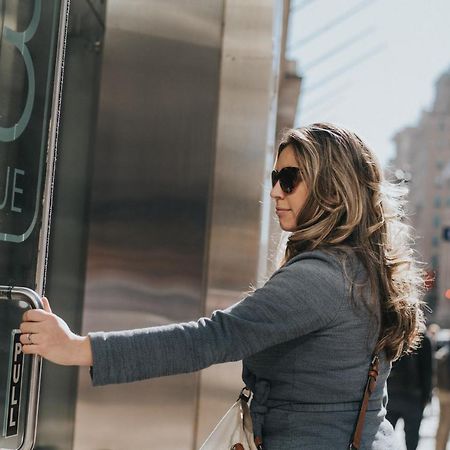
19 40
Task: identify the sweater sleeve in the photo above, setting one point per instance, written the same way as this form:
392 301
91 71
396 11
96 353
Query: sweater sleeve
298 299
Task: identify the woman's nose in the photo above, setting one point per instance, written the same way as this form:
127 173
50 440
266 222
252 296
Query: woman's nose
276 191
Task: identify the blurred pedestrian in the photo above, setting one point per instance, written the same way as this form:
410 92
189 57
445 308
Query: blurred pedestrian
443 391
409 390
433 332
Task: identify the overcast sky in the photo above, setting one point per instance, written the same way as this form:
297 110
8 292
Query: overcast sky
387 56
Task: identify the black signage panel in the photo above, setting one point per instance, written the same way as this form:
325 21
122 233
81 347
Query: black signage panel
15 386
15 374
27 56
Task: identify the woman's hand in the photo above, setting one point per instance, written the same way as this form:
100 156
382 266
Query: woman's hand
47 335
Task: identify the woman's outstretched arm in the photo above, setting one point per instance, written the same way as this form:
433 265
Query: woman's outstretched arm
302 297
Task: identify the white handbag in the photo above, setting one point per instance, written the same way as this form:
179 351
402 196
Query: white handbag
235 429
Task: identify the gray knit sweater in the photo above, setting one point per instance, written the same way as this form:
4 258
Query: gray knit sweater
306 348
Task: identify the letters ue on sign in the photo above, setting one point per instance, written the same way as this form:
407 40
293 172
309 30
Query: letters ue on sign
14 386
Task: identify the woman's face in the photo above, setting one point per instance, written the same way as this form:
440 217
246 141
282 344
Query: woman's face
288 205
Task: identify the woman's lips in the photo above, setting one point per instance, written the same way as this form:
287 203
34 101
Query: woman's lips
280 211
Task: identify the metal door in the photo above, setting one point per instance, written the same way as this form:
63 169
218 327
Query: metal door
32 40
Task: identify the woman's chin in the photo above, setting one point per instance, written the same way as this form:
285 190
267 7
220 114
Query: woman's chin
287 227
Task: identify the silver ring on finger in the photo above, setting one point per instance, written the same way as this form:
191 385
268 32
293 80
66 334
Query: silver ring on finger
29 338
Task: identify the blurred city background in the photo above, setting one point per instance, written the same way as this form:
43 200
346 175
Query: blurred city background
168 123
382 69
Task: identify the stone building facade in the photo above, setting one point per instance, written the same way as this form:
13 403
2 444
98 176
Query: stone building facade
422 162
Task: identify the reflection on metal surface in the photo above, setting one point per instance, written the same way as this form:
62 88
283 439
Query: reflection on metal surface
2 21
148 233
245 138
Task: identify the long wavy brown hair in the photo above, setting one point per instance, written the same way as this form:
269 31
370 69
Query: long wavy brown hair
351 208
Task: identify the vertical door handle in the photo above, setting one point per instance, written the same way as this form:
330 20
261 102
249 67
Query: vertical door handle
22 298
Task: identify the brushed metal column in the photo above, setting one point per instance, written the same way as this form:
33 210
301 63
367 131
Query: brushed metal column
241 205
150 194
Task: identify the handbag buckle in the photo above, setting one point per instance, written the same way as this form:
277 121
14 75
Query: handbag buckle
245 394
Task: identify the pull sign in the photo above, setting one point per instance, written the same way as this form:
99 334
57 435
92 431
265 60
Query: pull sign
14 385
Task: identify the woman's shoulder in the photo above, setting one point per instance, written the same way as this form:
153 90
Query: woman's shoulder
331 266
313 270
341 258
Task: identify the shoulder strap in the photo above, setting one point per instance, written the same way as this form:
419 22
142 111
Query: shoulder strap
370 387
245 395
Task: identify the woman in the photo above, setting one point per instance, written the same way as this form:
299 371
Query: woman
348 288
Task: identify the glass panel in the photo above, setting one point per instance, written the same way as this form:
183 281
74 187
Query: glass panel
27 51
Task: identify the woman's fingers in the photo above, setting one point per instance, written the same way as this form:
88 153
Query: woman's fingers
38 315
32 324
30 327
30 349
31 338
27 338
46 304
35 315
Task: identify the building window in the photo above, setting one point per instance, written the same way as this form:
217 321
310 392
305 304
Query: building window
437 221
434 262
437 201
435 241
448 202
440 164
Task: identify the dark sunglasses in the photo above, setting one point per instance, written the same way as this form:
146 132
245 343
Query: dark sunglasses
289 178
